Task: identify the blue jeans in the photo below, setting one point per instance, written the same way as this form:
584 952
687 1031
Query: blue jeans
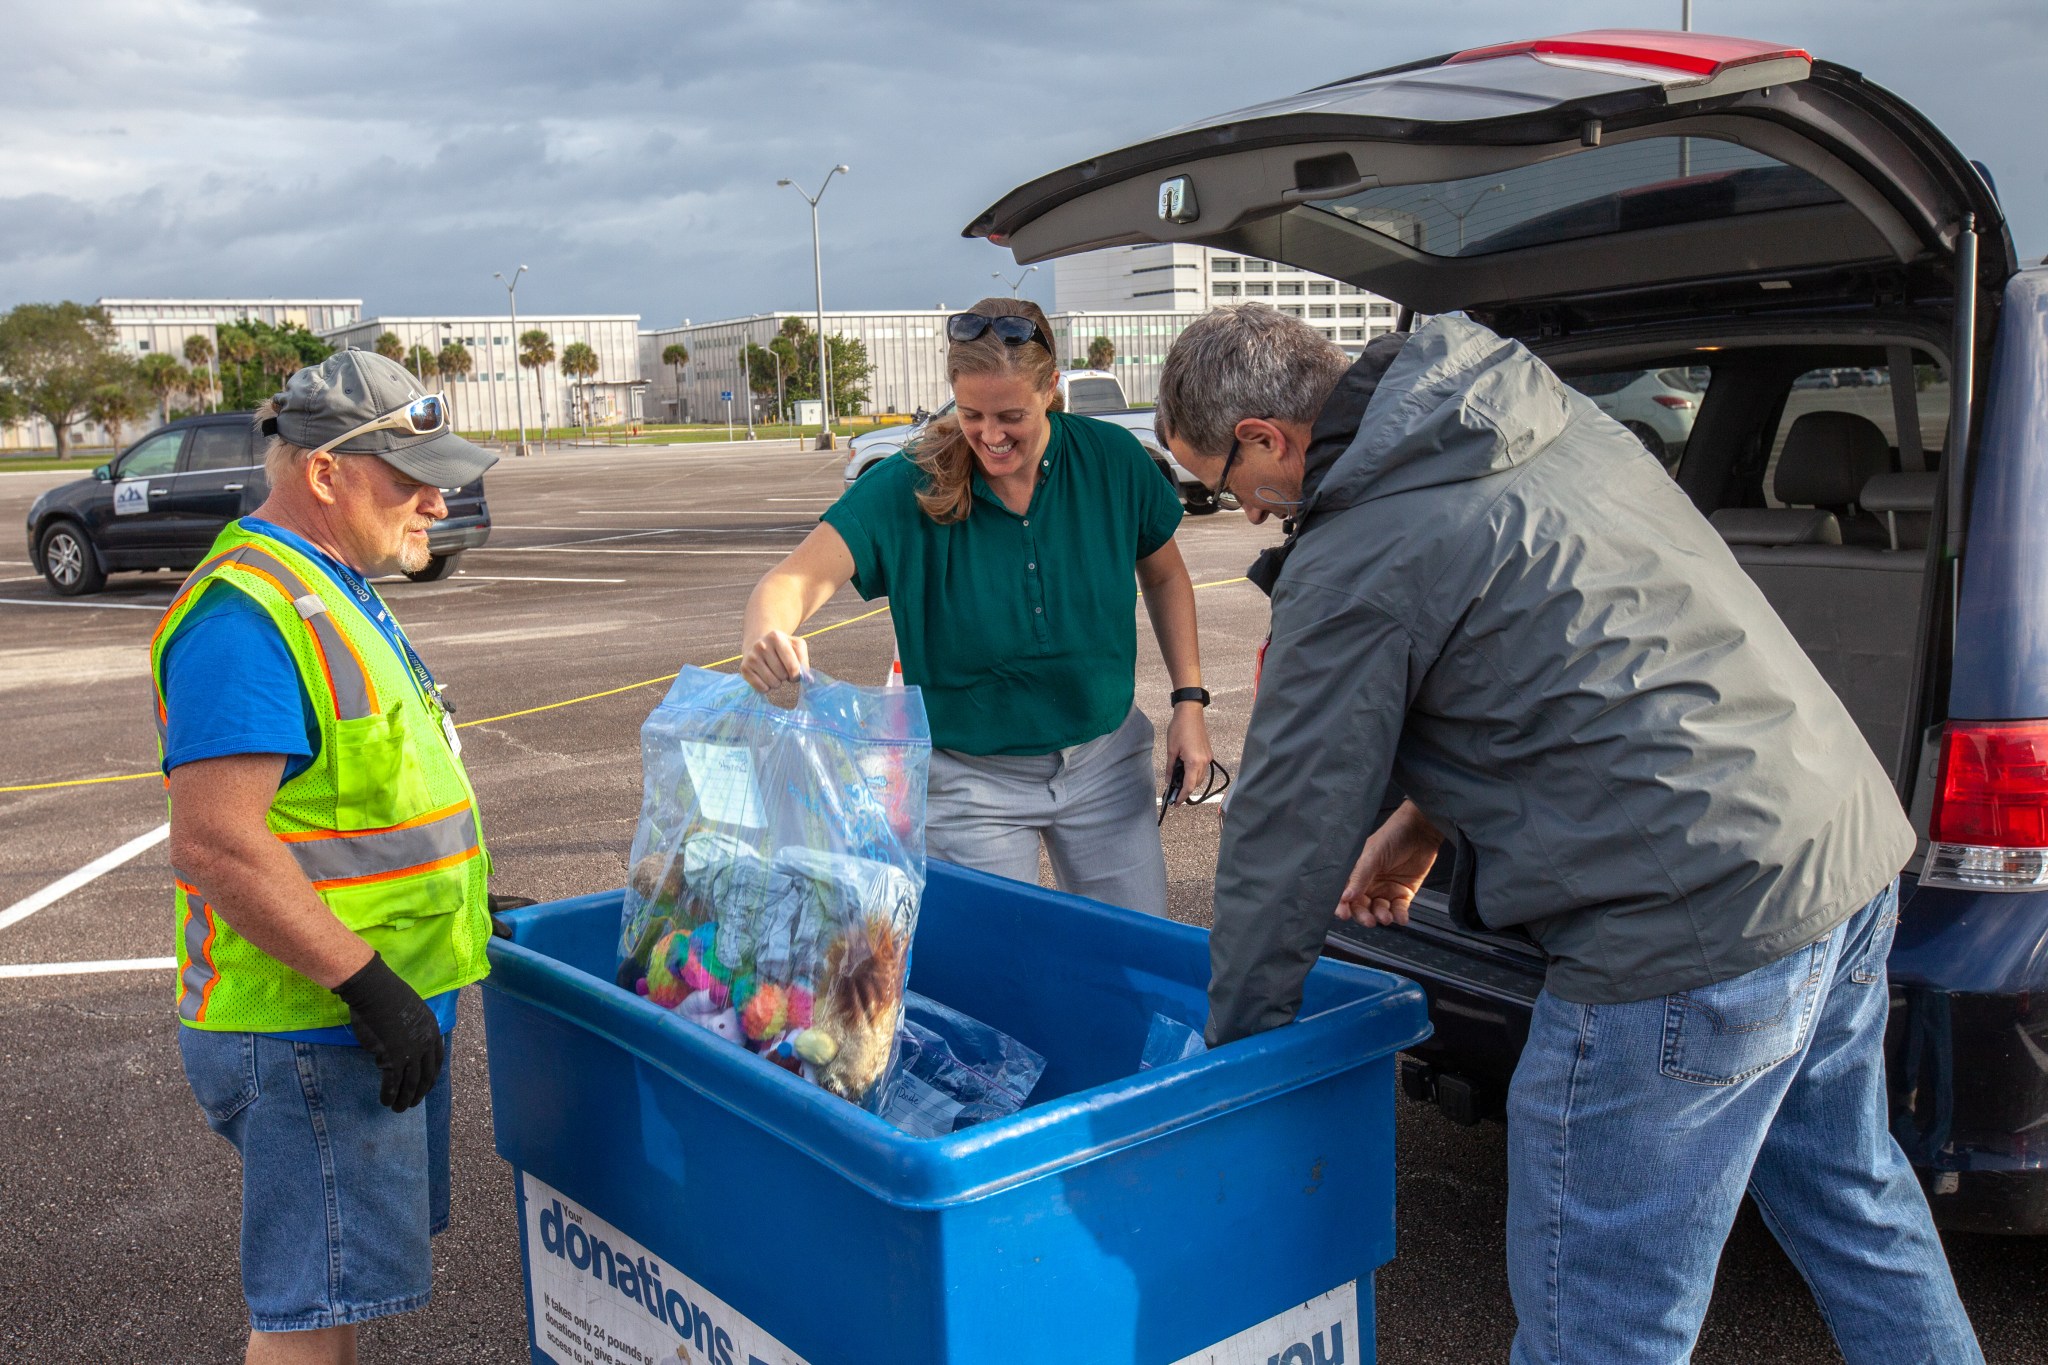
339 1194
1634 1129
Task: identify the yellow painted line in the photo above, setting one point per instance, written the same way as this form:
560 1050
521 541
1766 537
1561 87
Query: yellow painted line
1223 582
486 720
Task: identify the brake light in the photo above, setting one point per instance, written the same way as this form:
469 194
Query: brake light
1670 400
1990 826
1686 59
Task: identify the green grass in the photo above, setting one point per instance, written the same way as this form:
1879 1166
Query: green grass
82 463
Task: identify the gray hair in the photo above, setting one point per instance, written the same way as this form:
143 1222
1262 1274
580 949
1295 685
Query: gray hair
281 459
1244 360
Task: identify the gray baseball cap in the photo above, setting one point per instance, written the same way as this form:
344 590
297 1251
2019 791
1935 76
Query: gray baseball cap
349 388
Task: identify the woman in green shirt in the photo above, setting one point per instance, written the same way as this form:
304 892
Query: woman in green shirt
1011 542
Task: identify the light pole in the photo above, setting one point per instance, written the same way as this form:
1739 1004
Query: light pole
518 398
818 273
747 381
1462 214
1015 284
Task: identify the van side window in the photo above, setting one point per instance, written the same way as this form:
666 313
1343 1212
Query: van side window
1658 405
1865 392
219 447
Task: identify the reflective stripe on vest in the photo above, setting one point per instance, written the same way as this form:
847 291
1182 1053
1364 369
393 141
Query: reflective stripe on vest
195 983
348 681
437 839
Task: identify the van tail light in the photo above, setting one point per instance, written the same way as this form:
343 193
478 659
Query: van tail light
1670 400
1990 825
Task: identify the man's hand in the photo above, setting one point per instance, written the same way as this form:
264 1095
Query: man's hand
1390 869
1187 739
397 1029
773 658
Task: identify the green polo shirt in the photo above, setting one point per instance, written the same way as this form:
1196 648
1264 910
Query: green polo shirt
1021 629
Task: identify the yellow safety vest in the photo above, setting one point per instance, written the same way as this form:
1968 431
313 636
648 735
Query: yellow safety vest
384 823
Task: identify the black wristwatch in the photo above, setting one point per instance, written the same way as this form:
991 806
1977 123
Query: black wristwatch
1194 694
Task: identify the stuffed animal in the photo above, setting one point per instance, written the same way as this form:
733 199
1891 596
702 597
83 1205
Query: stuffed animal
665 984
859 1007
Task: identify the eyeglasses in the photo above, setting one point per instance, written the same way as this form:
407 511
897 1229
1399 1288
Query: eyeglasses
1224 497
1013 330
422 417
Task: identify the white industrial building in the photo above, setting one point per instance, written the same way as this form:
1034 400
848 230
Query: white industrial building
145 326
497 389
1179 278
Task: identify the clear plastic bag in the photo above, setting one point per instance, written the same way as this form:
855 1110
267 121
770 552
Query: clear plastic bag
1169 1040
952 1072
777 869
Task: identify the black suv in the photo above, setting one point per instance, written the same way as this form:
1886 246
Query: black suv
160 504
1867 369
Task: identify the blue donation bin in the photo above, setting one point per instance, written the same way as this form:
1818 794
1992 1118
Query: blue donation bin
681 1200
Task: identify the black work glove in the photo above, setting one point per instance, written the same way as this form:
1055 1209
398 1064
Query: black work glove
397 1029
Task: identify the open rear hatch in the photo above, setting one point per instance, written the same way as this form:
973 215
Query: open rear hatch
1679 171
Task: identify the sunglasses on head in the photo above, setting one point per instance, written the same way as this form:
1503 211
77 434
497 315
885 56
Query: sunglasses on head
1013 330
422 417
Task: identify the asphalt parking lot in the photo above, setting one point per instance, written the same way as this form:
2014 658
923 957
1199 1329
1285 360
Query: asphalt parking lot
607 571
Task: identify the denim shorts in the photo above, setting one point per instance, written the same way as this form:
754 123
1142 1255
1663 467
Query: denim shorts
339 1195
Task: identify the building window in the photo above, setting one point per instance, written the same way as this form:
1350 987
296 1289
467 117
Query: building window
1257 266
1352 310
1292 310
1381 331
1383 310
1258 288
1349 289
1225 265
1321 287
1354 334
1224 290
1321 310
1290 287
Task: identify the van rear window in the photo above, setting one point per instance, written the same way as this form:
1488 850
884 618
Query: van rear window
1621 187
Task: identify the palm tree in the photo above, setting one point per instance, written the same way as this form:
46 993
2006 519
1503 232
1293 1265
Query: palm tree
199 355
423 363
199 386
537 349
677 355
579 362
389 345
163 376
238 348
455 360
115 403
1101 353
279 361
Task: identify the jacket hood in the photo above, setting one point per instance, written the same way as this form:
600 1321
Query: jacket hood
1457 403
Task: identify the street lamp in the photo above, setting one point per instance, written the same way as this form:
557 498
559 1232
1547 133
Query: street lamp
818 273
512 293
1015 284
1462 214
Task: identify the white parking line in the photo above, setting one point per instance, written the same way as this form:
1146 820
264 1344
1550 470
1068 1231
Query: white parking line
89 606
504 578
70 882
118 964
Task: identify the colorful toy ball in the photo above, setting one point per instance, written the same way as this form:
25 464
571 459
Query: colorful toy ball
766 1013
694 975
743 987
664 987
800 1002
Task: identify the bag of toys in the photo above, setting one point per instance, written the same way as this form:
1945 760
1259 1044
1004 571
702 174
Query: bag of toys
777 870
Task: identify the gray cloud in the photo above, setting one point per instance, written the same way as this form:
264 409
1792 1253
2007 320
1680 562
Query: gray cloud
627 151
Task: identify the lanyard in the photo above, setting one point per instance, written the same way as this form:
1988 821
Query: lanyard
365 595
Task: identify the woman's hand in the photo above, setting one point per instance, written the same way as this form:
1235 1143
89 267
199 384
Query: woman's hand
1187 739
773 658
1390 869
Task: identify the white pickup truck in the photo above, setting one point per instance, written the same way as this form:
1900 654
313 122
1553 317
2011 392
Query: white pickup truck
1086 393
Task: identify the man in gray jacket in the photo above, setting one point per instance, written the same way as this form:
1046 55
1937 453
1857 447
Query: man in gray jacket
1491 595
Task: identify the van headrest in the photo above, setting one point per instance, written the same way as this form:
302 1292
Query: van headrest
1777 526
1828 457
1899 493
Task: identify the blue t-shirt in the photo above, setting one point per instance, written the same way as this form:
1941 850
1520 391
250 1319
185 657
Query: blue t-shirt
228 650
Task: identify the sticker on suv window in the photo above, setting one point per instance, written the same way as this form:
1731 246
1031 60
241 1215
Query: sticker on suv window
131 496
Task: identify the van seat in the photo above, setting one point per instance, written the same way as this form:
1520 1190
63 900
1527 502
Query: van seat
1827 459
1777 526
1905 503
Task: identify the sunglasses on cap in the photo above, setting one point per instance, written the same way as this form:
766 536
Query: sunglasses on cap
1013 330
422 417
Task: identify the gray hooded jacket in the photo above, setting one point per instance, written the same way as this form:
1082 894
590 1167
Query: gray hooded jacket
1498 598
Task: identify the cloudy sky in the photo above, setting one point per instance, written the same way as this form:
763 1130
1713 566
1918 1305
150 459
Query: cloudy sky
628 152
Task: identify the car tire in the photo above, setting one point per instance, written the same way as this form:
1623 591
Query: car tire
65 555
1200 504
438 568
1652 442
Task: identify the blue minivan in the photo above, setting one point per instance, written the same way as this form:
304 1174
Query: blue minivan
1763 223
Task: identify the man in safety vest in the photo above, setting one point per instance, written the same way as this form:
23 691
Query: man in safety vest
328 859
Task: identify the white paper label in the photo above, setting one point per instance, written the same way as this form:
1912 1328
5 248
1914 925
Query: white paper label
131 496
600 1298
723 775
1323 1331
